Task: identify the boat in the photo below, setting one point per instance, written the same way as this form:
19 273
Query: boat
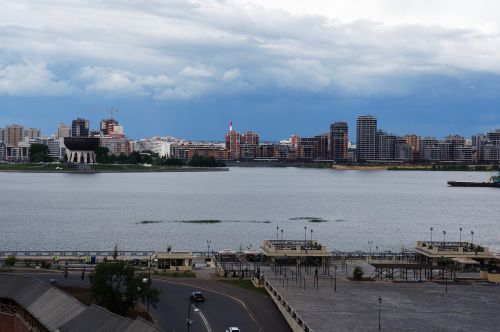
493 183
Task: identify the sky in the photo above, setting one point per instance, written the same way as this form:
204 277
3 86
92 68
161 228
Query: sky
277 67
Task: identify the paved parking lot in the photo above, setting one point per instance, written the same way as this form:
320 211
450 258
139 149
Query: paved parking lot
412 306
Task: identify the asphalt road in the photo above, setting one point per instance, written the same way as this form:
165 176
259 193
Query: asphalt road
217 313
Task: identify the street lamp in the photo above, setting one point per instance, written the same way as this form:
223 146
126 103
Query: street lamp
431 233
277 230
282 234
444 238
460 235
335 279
472 237
311 237
188 320
379 311
305 236
147 281
208 247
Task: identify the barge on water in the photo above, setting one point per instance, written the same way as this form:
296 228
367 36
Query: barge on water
493 183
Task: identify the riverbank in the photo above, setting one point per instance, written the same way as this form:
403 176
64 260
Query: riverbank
103 168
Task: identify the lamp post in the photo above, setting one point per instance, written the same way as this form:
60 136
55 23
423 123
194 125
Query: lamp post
282 234
379 312
460 238
208 247
431 233
277 232
305 236
444 238
472 236
335 279
188 320
370 243
147 281
311 236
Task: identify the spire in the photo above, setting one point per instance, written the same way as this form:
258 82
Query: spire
230 126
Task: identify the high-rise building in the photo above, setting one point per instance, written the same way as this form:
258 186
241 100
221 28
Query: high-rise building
80 128
320 148
1 134
248 145
366 129
233 141
31 133
339 140
107 126
12 135
63 131
3 151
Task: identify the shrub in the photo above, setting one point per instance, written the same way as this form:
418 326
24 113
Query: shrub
357 273
28 263
46 265
10 261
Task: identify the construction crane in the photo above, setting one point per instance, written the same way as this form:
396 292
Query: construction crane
111 111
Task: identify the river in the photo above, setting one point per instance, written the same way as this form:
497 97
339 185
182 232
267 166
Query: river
390 209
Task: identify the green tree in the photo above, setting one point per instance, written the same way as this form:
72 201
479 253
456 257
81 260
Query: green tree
39 153
10 261
357 273
118 288
201 161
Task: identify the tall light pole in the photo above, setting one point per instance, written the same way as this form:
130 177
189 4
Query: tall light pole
208 247
379 312
188 320
277 229
282 234
472 236
147 282
460 236
444 238
431 233
311 236
305 236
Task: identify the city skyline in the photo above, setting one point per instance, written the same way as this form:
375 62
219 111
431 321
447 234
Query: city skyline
430 68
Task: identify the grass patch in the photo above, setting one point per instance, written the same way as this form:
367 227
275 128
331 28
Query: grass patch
246 284
309 219
202 221
149 222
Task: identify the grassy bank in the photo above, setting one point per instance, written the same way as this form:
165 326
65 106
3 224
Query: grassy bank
102 168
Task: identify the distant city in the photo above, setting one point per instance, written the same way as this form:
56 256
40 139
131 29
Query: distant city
373 145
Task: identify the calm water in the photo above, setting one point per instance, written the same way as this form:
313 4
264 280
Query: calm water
392 209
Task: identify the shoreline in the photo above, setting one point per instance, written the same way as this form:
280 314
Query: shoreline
124 170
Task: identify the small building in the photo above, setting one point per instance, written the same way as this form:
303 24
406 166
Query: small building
296 251
459 252
174 261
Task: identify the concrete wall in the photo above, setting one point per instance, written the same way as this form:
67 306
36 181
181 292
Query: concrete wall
292 318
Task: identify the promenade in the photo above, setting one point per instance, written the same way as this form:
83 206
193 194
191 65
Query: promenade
405 306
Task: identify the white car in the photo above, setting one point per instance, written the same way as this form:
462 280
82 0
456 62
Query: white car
233 329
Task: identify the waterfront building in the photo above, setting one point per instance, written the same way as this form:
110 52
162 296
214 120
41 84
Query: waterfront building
174 261
12 135
305 148
186 150
3 151
63 131
248 145
116 145
19 153
295 251
339 140
366 128
80 128
233 141
1 134
30 133
414 141
429 149
57 150
320 148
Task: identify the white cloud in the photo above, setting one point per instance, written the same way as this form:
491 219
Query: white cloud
30 79
184 49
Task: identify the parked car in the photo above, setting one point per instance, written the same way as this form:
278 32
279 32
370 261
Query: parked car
233 329
197 296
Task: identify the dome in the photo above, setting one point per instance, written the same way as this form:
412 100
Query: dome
81 143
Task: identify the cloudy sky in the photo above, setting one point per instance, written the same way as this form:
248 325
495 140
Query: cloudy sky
185 68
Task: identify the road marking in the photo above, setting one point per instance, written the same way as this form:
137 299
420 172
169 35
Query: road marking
205 321
249 312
